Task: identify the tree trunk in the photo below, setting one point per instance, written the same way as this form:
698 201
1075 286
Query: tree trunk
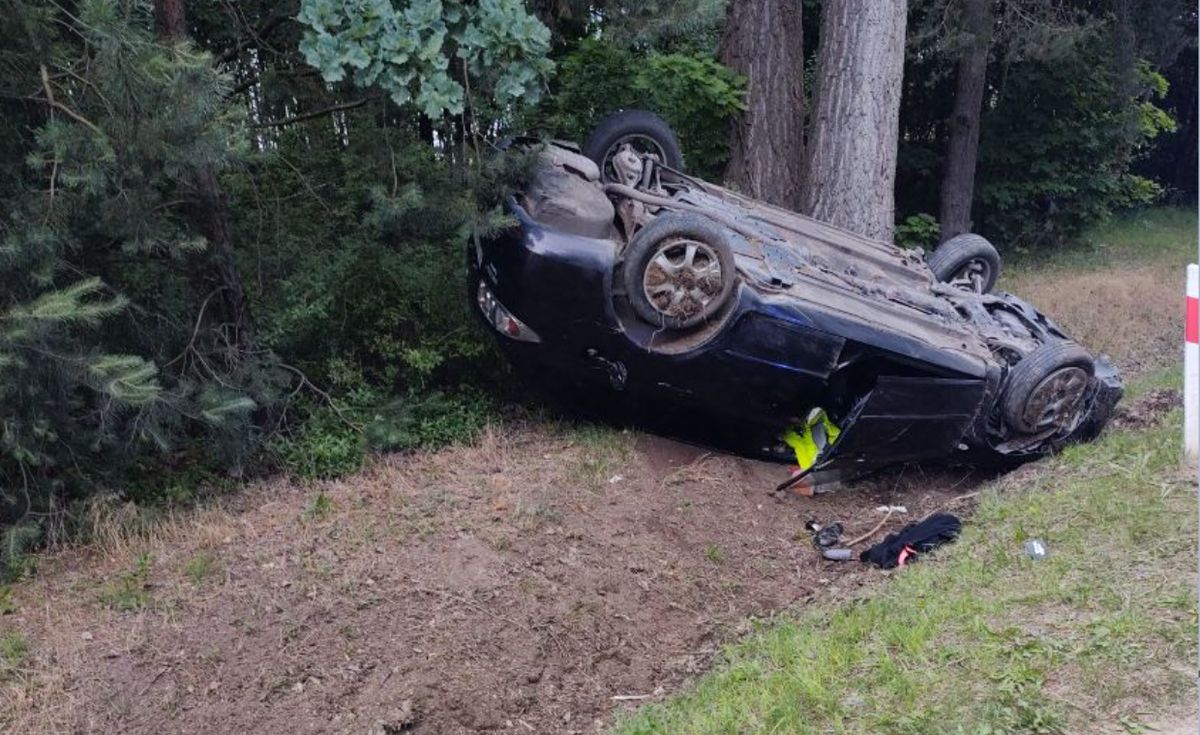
763 39
850 177
210 214
962 148
170 21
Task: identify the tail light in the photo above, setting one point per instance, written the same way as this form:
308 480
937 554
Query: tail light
501 318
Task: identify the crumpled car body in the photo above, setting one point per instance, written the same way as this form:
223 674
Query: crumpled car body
907 367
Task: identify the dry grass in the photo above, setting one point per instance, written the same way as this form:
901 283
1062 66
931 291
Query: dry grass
1121 291
1132 315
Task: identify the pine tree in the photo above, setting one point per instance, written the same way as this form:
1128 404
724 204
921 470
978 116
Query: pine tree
106 350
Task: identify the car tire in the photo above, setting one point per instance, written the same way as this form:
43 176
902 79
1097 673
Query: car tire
1047 388
678 271
643 128
968 261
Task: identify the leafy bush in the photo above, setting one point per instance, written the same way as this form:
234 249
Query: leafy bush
1055 152
918 231
323 447
430 419
331 442
420 51
692 91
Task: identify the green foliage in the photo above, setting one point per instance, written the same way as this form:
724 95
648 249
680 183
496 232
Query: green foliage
320 507
333 442
429 52
1068 110
429 420
16 541
14 648
700 96
369 293
200 567
1056 150
8 606
674 25
101 264
918 231
693 92
323 447
130 591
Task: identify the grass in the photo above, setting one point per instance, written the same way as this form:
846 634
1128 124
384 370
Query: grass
606 449
7 606
14 647
1120 290
129 591
200 567
983 639
1161 234
319 507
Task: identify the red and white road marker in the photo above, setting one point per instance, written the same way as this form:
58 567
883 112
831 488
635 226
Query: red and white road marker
1191 365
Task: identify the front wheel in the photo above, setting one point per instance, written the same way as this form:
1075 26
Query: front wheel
679 271
1046 389
968 262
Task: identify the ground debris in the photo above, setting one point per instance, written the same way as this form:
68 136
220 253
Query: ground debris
1147 410
398 721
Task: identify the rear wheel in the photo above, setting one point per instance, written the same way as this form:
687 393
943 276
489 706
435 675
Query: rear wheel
968 262
679 271
642 131
1046 389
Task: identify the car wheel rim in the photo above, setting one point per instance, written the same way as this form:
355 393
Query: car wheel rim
972 276
683 278
1056 399
640 144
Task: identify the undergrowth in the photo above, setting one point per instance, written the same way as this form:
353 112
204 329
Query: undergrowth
334 440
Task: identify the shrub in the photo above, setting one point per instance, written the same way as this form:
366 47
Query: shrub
918 231
1055 152
692 91
324 446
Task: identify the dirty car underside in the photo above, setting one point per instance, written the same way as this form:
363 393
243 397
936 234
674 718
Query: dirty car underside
646 281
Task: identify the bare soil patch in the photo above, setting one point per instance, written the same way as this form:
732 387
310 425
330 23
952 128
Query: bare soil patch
538 581
1147 410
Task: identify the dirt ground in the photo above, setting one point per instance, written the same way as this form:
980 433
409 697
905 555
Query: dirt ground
540 581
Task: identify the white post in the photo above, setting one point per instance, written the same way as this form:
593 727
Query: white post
1191 365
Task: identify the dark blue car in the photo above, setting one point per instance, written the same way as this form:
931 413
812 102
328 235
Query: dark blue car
629 276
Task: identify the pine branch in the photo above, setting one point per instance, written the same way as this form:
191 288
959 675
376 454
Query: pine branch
61 107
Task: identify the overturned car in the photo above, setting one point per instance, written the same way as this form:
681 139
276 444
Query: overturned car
625 272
